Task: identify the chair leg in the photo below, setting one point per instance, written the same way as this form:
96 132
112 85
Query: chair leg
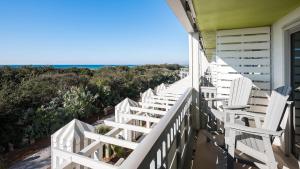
230 145
230 162
230 136
231 142
271 162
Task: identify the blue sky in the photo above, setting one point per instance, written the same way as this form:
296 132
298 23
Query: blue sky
90 32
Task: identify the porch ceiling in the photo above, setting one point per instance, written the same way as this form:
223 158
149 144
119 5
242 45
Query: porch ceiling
212 15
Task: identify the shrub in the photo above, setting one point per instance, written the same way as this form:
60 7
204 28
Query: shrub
119 151
78 102
36 101
102 129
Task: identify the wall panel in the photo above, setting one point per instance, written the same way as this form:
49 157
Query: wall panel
245 52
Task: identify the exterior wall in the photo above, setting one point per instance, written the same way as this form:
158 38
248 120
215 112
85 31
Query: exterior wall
244 52
280 66
281 31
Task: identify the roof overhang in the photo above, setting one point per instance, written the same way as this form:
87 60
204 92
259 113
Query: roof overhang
185 15
213 15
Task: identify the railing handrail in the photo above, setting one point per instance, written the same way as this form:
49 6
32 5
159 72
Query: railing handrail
136 157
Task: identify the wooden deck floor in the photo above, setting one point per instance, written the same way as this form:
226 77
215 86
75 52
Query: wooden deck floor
209 156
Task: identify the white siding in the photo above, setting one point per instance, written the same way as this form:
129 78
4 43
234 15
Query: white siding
279 43
244 52
281 56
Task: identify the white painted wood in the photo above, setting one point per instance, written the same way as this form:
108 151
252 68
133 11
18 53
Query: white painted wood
244 46
256 142
238 69
154 105
123 108
259 109
223 89
127 126
240 90
161 101
195 53
256 154
165 97
160 88
146 95
69 138
141 117
260 93
239 94
244 61
245 31
243 52
276 108
87 151
129 117
110 140
82 160
253 77
68 164
119 162
253 38
169 94
155 149
259 101
179 10
144 110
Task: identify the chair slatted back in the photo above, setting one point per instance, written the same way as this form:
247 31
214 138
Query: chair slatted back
276 107
240 90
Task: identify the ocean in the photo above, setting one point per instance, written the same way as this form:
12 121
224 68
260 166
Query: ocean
92 67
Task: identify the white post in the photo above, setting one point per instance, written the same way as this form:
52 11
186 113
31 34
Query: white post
147 122
98 154
195 52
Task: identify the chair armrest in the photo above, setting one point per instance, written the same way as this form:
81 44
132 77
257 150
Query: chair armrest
249 114
216 99
255 131
236 107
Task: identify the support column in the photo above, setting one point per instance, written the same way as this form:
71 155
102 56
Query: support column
195 53
98 154
107 151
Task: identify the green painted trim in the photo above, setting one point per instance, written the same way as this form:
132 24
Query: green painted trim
212 15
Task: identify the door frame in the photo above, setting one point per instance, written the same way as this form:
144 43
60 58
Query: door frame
288 31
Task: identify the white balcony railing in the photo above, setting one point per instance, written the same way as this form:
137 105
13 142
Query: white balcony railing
169 142
157 131
184 72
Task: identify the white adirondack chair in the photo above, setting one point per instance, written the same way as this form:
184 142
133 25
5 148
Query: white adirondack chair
257 142
240 90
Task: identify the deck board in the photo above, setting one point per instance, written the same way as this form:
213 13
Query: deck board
209 156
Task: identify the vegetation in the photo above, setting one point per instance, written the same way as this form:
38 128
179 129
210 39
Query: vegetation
117 151
35 102
102 129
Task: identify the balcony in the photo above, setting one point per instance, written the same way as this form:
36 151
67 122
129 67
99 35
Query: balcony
168 128
157 132
183 72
